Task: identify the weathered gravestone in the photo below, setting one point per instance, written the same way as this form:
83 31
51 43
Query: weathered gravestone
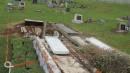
129 25
122 27
50 3
78 19
90 20
21 5
9 7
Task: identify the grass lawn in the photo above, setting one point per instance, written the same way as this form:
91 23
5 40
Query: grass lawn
96 10
23 51
2 55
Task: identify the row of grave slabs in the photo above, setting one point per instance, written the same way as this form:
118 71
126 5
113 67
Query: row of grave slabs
69 38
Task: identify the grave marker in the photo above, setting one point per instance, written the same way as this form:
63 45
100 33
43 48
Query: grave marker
122 27
21 5
50 4
78 19
9 7
129 25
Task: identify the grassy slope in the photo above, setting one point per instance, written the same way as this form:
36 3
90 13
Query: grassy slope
104 32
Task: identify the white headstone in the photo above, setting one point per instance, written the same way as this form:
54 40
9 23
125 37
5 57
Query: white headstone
21 4
78 19
129 25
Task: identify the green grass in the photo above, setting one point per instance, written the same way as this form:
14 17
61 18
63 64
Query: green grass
19 50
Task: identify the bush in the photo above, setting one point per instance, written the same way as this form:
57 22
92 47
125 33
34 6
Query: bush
108 62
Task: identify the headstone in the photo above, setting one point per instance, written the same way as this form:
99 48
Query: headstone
122 27
129 25
21 5
50 4
90 20
9 7
78 19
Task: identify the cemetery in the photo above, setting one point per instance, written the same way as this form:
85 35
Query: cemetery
64 36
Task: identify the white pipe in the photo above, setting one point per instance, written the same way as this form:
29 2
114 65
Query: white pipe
8 65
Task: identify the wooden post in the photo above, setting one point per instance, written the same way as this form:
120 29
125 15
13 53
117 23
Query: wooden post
44 30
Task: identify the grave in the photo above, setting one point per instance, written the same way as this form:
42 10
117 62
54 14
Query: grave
21 5
129 25
90 20
58 47
78 19
122 27
50 4
9 7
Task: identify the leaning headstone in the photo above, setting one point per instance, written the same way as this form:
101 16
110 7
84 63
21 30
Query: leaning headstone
78 19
